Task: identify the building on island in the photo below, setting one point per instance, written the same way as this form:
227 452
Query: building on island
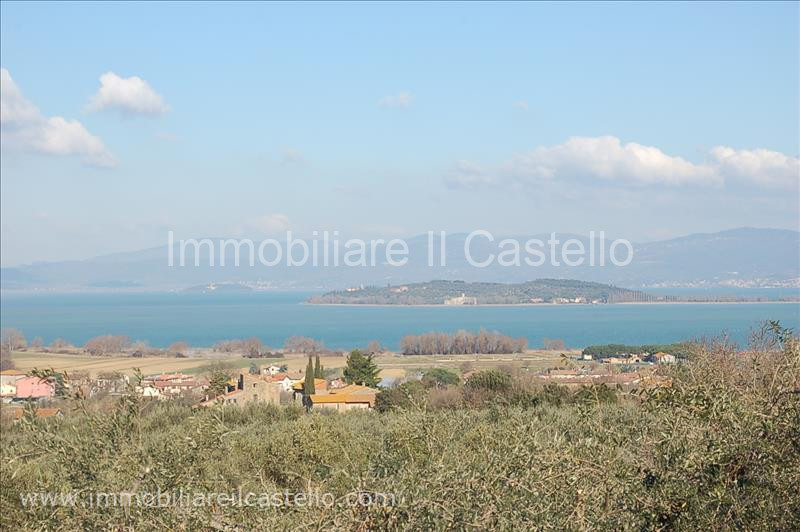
463 299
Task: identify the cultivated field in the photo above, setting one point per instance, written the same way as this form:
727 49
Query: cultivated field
26 361
391 364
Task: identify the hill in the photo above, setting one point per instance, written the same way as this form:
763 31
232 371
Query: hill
461 293
738 258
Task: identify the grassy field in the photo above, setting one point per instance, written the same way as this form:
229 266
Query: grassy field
391 364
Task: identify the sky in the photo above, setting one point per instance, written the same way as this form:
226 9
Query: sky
121 122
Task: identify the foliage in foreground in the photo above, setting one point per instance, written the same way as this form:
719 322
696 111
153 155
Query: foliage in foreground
719 449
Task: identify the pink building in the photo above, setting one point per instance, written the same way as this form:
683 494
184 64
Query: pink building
35 388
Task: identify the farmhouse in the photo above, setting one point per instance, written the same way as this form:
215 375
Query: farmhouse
664 358
8 384
249 389
350 397
35 388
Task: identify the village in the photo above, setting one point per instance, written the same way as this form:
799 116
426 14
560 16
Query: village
271 384
275 384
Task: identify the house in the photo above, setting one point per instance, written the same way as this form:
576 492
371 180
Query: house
111 383
283 379
167 385
664 358
35 388
149 391
337 383
319 385
8 392
249 389
350 397
625 359
299 395
271 370
8 384
10 376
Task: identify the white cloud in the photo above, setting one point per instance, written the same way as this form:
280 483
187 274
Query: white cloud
267 225
760 166
270 224
131 95
292 156
521 104
607 159
399 100
24 128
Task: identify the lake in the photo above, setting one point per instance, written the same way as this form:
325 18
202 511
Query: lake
203 319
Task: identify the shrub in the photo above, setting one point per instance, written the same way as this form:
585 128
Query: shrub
489 380
715 450
447 398
411 394
439 377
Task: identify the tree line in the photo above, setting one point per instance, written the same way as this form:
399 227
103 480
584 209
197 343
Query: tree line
680 350
461 343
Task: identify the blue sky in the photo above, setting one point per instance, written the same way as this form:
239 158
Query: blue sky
644 120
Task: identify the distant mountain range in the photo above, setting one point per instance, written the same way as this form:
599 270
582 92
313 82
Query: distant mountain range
735 258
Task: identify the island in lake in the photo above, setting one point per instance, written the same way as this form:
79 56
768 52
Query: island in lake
540 291
461 293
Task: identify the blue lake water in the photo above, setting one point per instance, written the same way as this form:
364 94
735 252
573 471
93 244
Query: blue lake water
202 319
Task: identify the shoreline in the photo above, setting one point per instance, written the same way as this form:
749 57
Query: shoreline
546 305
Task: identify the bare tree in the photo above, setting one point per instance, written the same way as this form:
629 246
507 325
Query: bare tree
302 344
252 347
59 343
461 343
11 339
554 344
374 348
178 348
104 345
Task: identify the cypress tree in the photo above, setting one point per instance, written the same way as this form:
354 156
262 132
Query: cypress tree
308 385
318 368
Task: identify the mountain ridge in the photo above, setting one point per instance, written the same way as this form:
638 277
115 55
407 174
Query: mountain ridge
739 257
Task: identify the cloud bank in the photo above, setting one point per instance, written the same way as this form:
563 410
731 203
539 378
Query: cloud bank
25 128
132 96
399 100
607 159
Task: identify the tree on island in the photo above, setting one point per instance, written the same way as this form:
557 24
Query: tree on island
308 385
361 369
